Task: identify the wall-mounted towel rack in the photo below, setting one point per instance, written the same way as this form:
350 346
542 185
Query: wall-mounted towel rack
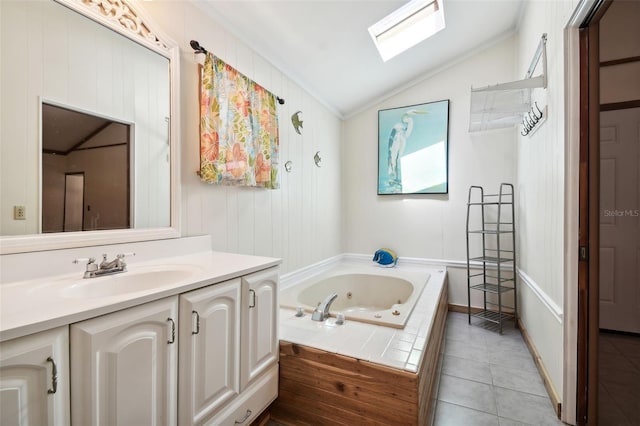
507 104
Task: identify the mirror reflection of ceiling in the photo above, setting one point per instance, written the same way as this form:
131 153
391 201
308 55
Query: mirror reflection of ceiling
65 130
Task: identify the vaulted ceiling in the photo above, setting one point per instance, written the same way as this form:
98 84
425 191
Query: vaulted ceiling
324 45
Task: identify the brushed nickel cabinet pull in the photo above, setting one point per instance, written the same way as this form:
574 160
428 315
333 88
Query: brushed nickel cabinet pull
244 419
197 322
173 331
252 304
54 376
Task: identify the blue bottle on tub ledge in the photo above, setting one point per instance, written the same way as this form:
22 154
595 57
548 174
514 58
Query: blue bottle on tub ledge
385 257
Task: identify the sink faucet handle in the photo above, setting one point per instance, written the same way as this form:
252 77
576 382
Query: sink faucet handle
123 255
91 263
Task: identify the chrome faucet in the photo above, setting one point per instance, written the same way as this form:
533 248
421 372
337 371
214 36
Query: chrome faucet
115 266
321 312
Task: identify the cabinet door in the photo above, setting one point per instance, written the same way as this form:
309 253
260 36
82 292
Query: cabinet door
209 350
125 367
260 324
34 379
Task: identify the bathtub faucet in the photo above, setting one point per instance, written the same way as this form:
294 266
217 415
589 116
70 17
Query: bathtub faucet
321 312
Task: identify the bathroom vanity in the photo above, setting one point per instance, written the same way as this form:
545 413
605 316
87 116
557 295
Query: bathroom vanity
202 349
186 335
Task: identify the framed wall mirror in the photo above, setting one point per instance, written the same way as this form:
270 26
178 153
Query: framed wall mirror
100 72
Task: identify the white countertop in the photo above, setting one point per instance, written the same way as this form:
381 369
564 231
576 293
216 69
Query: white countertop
31 306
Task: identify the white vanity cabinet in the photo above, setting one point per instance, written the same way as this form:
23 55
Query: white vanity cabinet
207 356
124 366
209 350
229 350
260 324
34 379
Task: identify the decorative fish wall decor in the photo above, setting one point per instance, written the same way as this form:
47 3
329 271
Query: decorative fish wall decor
296 121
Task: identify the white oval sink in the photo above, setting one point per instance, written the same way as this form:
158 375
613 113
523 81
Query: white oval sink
129 282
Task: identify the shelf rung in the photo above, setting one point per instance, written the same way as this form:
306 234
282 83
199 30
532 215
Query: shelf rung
491 259
509 309
492 316
489 203
502 279
491 231
491 288
506 194
476 275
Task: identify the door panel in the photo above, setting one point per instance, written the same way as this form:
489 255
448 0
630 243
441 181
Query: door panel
73 202
607 274
28 394
620 220
125 366
209 348
260 340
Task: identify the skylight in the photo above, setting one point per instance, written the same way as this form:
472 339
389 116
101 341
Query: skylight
405 27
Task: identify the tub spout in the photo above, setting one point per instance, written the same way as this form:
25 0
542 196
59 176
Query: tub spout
321 313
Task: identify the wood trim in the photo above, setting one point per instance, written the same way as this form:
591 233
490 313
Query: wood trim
325 388
588 269
431 364
620 105
583 265
594 222
544 374
620 61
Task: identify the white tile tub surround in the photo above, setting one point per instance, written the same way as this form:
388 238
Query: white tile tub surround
366 292
397 348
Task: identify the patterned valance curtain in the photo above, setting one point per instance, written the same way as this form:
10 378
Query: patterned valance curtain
238 128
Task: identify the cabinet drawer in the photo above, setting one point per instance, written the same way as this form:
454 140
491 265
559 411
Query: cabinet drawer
248 405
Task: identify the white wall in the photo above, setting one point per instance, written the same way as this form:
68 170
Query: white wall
540 187
299 222
421 225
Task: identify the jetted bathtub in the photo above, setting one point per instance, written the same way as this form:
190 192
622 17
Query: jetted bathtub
366 293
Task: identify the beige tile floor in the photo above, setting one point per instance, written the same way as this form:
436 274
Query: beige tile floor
619 376
489 379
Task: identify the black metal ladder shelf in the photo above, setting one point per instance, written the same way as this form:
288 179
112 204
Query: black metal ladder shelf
491 236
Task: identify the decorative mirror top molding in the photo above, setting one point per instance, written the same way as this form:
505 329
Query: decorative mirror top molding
122 17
